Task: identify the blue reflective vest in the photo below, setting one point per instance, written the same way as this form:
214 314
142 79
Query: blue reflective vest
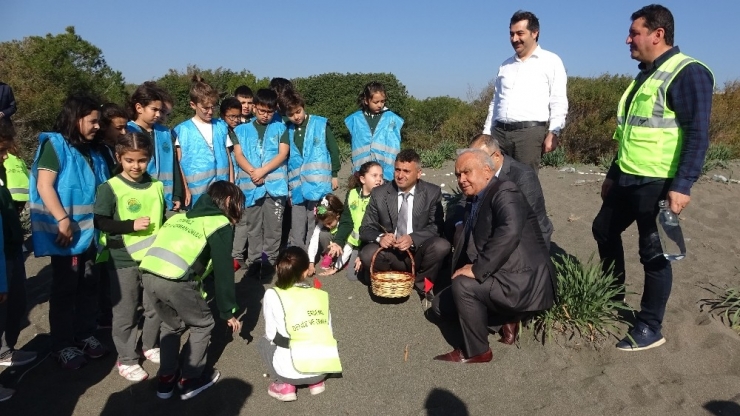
259 153
309 172
162 164
75 185
381 146
201 164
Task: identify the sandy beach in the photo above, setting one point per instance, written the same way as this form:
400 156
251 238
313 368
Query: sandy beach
387 350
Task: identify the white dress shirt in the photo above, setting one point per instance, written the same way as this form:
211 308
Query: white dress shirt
410 205
530 90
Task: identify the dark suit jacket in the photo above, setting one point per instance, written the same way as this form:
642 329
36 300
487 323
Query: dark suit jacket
528 183
7 100
381 214
509 249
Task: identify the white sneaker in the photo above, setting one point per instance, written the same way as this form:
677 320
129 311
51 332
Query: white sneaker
5 394
132 372
152 355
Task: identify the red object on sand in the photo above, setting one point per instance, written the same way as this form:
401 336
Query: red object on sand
428 285
316 283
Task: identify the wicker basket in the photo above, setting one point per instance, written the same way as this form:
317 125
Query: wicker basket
392 284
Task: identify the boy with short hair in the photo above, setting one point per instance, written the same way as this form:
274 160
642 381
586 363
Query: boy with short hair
12 269
263 178
246 99
312 166
202 144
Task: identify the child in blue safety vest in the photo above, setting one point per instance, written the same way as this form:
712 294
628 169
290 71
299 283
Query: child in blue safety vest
130 209
375 130
12 270
361 183
298 347
313 165
263 177
202 144
66 172
145 108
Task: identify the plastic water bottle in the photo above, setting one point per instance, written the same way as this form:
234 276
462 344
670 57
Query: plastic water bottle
669 231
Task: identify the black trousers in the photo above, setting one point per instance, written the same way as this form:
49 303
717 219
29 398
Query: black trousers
623 206
428 259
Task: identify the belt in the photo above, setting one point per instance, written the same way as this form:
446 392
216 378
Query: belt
518 125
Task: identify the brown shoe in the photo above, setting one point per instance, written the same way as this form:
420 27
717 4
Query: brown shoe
509 333
457 356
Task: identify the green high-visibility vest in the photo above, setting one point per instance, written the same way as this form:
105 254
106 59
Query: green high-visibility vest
649 136
133 203
18 178
313 348
178 245
357 206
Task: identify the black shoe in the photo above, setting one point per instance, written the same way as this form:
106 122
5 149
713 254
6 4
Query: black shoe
194 386
166 386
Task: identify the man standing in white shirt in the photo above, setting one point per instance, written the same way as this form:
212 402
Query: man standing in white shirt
529 104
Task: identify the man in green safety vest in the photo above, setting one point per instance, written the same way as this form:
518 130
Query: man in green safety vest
663 135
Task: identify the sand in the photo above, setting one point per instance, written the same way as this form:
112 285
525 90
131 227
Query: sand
696 372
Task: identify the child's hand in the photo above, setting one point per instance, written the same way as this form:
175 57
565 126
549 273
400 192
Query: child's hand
311 269
328 272
141 224
235 324
358 265
334 184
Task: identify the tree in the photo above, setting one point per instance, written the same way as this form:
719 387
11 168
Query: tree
43 71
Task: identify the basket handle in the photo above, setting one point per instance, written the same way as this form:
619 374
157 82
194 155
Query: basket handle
411 256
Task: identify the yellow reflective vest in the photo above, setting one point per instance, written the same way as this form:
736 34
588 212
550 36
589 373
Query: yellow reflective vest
313 348
648 134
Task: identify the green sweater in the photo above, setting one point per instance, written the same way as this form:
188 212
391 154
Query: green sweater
331 144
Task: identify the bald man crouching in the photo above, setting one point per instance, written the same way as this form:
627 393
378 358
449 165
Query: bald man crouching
502 266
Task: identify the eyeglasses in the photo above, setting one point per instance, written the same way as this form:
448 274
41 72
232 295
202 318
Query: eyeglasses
264 112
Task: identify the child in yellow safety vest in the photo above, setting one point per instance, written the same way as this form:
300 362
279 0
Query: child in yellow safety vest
299 347
129 210
367 178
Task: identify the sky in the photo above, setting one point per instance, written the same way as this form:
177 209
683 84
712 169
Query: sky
434 47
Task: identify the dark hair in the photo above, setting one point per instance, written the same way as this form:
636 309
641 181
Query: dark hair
200 91
108 112
7 131
290 101
230 103
76 107
408 155
329 207
533 23
266 97
243 91
144 95
129 142
656 17
219 191
281 85
290 265
367 93
354 179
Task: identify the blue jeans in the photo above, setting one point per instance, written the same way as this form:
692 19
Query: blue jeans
622 206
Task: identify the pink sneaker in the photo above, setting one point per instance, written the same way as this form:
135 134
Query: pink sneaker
317 388
282 391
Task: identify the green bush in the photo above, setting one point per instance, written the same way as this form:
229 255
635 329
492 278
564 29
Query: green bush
585 305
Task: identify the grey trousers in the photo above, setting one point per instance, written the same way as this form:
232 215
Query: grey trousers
13 309
126 296
302 224
267 351
524 145
181 307
265 228
240 238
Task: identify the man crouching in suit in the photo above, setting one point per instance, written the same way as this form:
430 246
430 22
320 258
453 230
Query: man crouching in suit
502 265
405 214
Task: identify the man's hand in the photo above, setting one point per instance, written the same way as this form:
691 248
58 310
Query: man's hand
404 242
605 187
334 184
466 270
387 240
678 201
550 143
235 324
